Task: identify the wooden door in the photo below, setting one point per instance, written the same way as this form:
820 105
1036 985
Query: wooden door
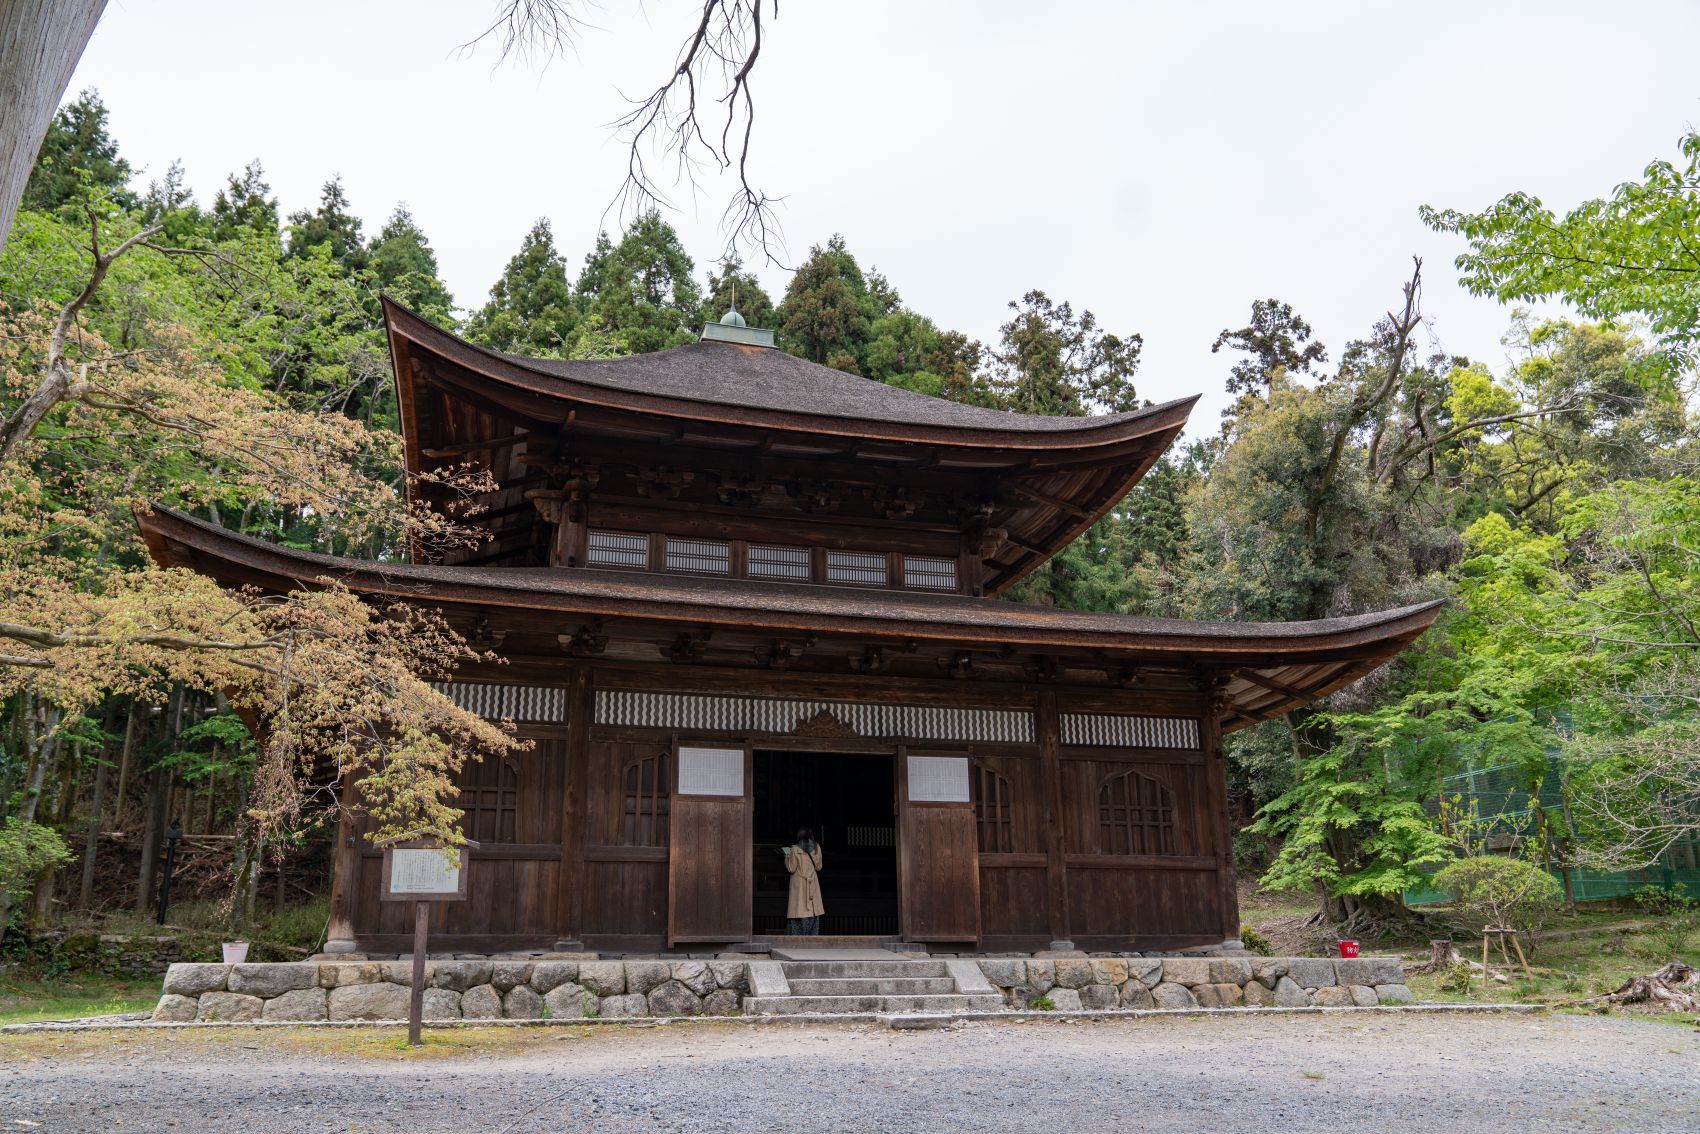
938 858
709 879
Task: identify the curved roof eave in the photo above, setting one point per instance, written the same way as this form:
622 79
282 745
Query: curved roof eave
985 623
852 407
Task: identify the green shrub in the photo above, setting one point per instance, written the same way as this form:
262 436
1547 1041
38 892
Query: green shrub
26 849
1255 942
1042 1004
1501 892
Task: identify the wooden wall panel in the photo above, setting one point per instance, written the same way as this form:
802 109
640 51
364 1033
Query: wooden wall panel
625 899
1012 898
710 881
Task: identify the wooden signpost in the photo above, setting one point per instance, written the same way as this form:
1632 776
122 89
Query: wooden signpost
422 871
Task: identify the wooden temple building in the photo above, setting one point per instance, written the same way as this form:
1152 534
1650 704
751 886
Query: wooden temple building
739 593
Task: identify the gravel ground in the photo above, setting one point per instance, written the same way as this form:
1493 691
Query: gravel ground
1340 1074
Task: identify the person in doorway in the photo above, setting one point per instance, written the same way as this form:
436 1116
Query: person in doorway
803 864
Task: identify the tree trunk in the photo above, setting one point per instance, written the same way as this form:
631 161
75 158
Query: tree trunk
153 834
91 848
132 737
40 43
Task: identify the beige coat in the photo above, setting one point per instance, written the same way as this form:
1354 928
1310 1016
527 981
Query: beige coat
805 883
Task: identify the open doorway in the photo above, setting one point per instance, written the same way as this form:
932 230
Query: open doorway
850 801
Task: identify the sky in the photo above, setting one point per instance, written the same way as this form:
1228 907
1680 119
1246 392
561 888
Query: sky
1160 164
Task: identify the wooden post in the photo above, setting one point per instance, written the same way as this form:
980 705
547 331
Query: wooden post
416 1001
1216 785
570 893
1047 728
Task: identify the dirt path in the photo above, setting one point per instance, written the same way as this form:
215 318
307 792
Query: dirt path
1304 1073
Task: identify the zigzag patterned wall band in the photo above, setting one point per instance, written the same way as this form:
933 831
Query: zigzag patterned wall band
1098 730
515 702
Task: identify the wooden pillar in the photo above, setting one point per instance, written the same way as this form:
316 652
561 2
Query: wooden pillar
1216 767
1047 728
581 707
345 874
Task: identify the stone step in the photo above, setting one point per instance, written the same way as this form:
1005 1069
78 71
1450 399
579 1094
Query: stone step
872 986
797 1005
862 970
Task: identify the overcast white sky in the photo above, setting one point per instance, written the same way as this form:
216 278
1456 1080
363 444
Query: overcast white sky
1161 164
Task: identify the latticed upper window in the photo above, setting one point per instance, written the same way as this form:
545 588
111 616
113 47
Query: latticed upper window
1136 815
489 796
765 562
647 786
700 556
929 572
864 567
993 815
618 549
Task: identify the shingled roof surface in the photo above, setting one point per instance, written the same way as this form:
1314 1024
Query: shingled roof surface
764 378
632 592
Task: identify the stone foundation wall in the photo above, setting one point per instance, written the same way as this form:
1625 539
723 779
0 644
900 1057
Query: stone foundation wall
455 990
1075 983
107 953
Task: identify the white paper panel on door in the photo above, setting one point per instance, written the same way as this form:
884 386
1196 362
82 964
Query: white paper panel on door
711 771
938 779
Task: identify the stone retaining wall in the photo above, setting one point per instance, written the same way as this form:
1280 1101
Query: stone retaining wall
455 990
1074 983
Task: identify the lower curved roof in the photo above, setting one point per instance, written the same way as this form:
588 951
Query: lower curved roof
1276 666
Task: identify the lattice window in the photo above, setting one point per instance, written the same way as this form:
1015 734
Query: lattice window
489 796
699 556
929 573
865 568
647 786
1136 815
789 563
617 549
994 816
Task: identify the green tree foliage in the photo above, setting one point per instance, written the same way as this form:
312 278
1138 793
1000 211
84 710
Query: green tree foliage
733 287
1500 893
1052 361
532 309
643 289
78 151
404 265
827 312
245 204
1632 252
330 227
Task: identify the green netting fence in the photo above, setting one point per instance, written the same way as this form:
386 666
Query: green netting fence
1509 812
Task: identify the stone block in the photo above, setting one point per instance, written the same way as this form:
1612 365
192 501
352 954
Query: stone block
1099 997
1394 994
1136 995
722 1002
401 972
546 976
1333 996
1219 995
768 979
1190 971
1363 995
1005 973
622 1007
1229 970
1109 971
1290 994
368 1002
1366 970
643 976
192 980
297 1004
730 974
458 976
506 975
694 975
1170 995
567 1002
441 1004
674 999
1073 972
1041 975
1258 995
229 1007
604 978
522 1003
272 980
481 1002
338 975
175 1009
1065 999
1146 970
1268 969
1311 972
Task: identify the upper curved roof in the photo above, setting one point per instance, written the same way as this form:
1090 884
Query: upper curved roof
711 380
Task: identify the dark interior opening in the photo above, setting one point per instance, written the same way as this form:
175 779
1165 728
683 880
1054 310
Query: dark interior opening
850 801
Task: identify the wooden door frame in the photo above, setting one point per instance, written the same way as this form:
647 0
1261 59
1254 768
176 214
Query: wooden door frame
676 742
